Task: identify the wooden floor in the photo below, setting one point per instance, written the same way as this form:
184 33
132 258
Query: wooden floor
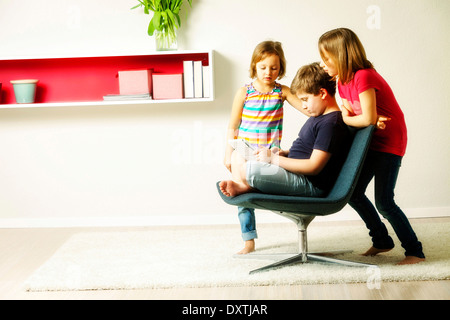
22 251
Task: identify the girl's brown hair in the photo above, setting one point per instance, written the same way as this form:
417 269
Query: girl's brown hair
346 50
264 49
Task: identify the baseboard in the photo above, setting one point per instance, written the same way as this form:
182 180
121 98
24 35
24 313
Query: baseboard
347 214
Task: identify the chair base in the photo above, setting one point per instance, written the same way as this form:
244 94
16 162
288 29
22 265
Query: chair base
304 256
290 259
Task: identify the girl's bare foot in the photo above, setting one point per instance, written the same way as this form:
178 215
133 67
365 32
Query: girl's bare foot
410 260
231 188
248 247
374 251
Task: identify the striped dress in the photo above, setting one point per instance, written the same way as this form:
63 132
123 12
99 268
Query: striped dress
262 117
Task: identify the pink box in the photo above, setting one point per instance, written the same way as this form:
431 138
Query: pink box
167 86
135 81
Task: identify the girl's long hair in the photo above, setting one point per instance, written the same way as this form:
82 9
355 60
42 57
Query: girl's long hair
346 51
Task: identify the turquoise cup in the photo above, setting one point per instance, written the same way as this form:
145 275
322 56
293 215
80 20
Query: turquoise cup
25 90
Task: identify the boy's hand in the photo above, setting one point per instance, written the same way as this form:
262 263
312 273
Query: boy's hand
280 152
275 150
381 122
264 155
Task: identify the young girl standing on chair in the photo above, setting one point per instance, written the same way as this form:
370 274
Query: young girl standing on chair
368 99
257 117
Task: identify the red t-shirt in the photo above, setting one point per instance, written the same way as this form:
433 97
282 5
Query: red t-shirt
393 138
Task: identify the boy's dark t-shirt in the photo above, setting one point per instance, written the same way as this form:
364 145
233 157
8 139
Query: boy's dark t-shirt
328 133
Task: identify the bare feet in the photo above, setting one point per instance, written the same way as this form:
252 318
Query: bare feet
231 188
374 251
248 247
410 260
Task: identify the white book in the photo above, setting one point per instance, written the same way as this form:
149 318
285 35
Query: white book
126 97
206 82
188 78
198 79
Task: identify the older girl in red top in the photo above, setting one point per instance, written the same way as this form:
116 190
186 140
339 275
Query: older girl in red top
367 100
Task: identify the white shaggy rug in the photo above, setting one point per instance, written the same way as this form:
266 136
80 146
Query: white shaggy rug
203 257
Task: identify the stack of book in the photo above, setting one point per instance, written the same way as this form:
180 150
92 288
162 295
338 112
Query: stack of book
196 79
125 97
133 85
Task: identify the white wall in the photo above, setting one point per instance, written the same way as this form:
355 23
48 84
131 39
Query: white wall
116 165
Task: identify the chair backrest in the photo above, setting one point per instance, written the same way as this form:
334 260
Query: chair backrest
351 169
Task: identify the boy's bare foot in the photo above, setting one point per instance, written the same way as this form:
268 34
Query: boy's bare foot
248 247
374 251
410 260
231 188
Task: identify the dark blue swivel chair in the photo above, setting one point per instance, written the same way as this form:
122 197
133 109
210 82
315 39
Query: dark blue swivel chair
302 210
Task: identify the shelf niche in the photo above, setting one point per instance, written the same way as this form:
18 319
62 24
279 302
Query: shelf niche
83 81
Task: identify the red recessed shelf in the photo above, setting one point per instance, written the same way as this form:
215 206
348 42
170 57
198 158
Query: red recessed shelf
72 81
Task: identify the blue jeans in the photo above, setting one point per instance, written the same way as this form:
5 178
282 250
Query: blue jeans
248 223
384 167
269 178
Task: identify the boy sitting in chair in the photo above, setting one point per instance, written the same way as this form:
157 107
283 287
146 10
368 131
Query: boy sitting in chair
311 166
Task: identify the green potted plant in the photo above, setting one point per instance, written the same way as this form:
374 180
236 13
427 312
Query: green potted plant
165 21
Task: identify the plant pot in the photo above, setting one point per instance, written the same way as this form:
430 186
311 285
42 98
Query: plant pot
25 90
166 40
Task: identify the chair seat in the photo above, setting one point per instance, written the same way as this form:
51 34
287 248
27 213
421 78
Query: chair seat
292 204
